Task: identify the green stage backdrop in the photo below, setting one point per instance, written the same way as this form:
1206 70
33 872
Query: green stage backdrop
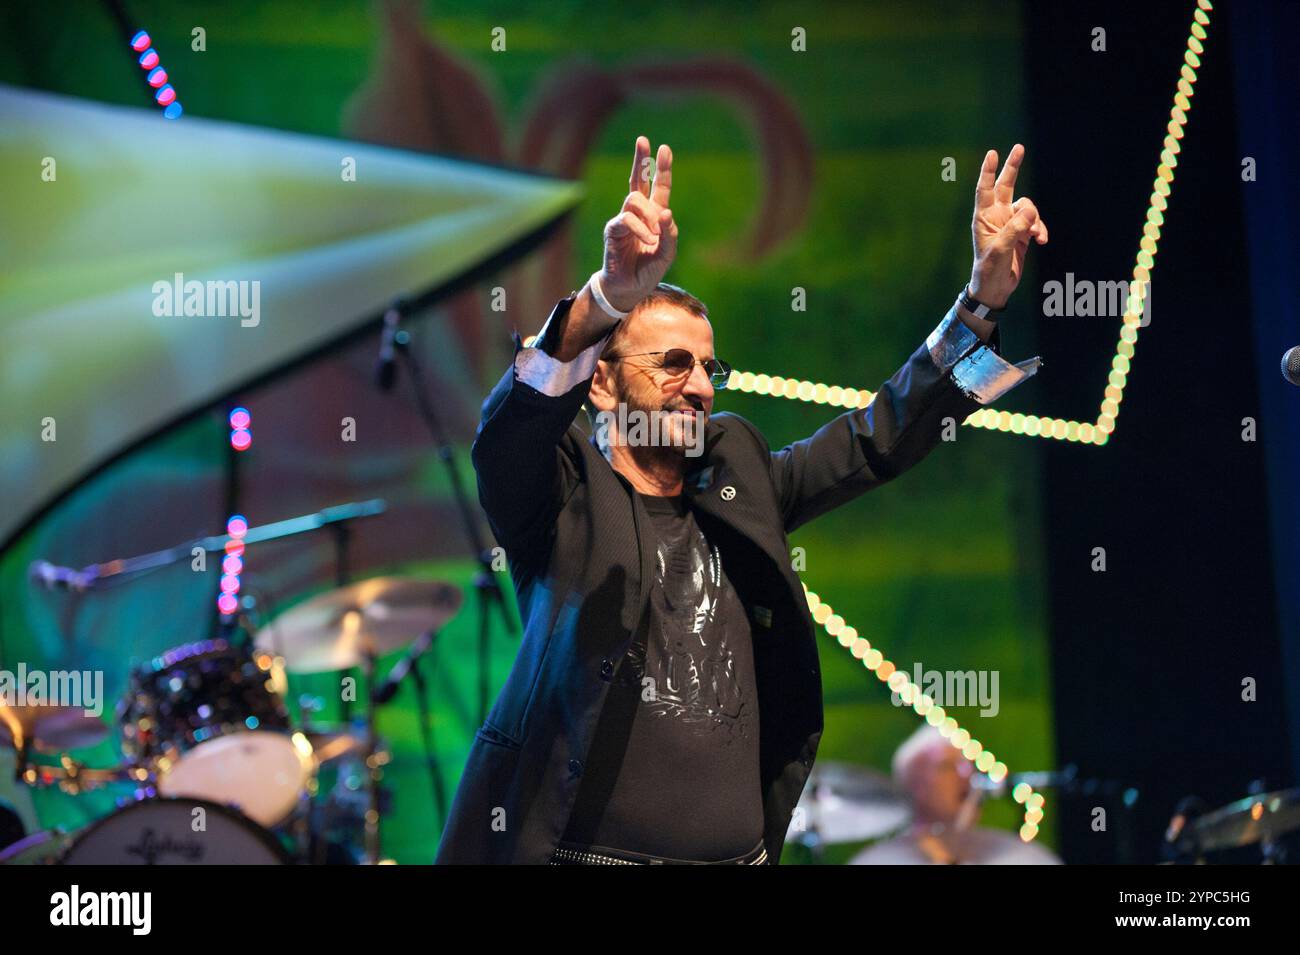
943 568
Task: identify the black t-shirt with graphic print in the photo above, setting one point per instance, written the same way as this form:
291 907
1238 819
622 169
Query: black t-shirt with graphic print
673 769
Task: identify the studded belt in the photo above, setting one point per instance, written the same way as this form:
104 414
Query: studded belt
569 854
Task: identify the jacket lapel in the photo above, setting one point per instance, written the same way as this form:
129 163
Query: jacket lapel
713 487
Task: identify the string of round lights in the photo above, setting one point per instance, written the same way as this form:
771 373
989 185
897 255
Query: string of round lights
241 435
924 706
164 95
1096 432
232 564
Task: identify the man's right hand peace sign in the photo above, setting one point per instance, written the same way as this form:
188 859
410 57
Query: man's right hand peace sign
641 241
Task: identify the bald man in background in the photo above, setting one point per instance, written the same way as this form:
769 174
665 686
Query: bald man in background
937 780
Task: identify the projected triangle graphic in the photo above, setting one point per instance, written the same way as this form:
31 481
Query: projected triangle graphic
152 267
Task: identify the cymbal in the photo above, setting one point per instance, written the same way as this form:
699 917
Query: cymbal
1248 821
332 744
50 729
844 803
336 630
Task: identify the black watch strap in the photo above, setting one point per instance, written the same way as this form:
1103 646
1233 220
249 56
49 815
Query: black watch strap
986 312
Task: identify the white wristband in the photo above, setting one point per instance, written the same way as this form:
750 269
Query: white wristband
598 294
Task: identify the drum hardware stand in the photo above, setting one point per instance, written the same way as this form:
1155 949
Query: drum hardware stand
342 535
486 585
301 826
813 845
22 760
372 841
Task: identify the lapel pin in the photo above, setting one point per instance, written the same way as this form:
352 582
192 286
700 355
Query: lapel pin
728 493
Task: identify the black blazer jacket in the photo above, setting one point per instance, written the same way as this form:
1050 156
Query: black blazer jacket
581 553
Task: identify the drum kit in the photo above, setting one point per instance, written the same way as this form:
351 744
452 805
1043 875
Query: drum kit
1263 828
205 726
206 733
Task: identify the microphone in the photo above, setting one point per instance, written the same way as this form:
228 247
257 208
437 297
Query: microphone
386 366
388 689
1041 779
55 577
1291 365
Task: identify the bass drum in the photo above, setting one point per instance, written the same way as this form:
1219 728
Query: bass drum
175 832
40 848
209 719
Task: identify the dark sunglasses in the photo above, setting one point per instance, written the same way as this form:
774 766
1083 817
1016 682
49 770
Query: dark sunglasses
679 361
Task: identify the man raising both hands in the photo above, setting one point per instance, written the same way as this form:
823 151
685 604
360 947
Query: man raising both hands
665 705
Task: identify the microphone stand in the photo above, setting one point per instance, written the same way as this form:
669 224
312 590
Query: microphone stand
486 586
125 569
426 737
384 693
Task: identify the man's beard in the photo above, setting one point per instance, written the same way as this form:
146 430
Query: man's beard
677 434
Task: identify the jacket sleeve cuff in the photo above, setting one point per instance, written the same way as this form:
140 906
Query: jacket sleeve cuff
976 368
548 375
